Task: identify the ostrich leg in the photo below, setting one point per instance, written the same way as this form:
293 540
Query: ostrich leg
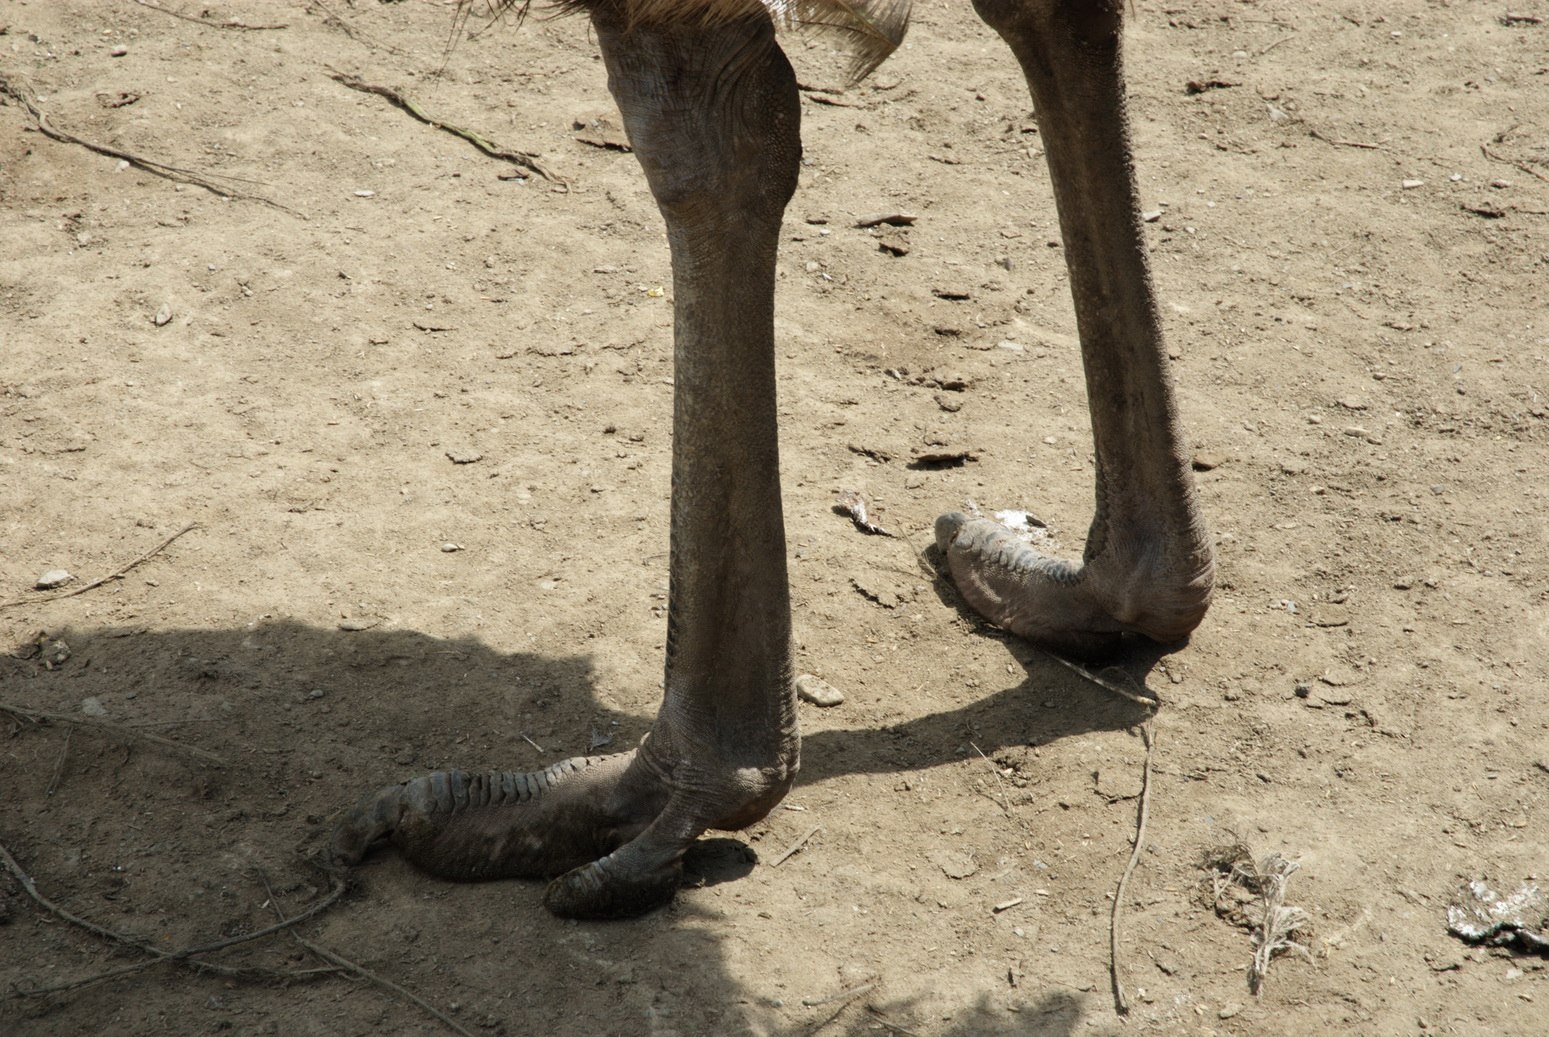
1148 566
713 115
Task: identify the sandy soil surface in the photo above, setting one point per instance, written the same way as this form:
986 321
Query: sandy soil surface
417 413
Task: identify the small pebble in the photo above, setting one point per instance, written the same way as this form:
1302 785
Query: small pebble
1207 462
818 691
1410 185
93 707
55 654
119 51
450 548
52 579
163 315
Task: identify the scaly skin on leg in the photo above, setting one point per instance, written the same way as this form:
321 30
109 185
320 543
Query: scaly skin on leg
1149 566
713 116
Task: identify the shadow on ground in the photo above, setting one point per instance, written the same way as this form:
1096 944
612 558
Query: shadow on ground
147 840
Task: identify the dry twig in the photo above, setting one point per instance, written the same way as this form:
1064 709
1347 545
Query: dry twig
201 20
341 962
1366 145
794 847
59 765
876 1013
1120 1001
1107 683
1005 801
22 94
118 574
1493 157
524 159
187 956
107 729
329 18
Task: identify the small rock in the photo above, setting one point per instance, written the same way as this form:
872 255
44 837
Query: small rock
93 707
163 315
1410 185
1207 462
450 548
948 403
1330 615
818 691
119 51
1116 783
52 579
1010 347
1227 1011
896 244
954 865
364 193
1339 677
464 456
354 625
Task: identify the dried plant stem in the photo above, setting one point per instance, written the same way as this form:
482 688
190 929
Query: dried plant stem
187 956
1120 1001
346 965
107 729
117 574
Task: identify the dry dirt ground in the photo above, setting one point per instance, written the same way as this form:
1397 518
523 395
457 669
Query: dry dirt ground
418 351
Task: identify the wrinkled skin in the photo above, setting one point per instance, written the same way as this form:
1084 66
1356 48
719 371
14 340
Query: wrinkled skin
713 115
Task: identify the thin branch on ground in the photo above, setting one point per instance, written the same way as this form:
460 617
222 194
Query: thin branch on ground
1365 145
847 996
346 965
1120 1001
59 765
1005 801
329 18
200 20
108 729
794 847
1107 683
118 574
1529 170
22 94
187 957
523 159
876 1013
